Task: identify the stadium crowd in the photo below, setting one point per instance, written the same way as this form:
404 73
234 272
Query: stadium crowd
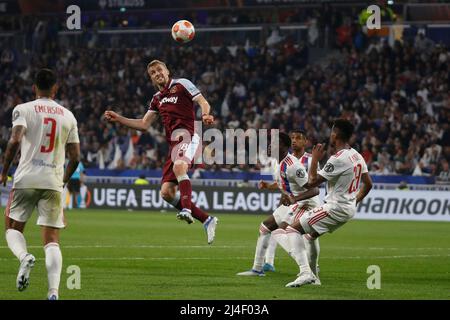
397 96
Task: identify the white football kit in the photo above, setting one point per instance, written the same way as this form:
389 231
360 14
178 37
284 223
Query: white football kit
343 174
38 180
292 176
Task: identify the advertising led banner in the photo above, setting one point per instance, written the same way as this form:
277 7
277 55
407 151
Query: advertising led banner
378 205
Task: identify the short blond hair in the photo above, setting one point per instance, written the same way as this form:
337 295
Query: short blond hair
153 62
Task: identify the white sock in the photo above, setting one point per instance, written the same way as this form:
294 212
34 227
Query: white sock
16 243
298 250
53 263
270 253
281 238
261 247
313 249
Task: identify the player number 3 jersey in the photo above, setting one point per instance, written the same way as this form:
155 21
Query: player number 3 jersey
49 127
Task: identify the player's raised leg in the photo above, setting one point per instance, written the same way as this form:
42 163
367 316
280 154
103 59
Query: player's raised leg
18 246
18 210
170 195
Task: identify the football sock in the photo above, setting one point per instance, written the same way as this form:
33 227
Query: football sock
176 201
16 243
261 247
270 253
313 249
185 187
298 250
198 213
53 263
281 238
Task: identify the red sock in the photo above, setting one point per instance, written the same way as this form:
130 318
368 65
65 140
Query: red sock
185 193
198 213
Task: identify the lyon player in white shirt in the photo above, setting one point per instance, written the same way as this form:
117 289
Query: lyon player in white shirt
298 144
343 172
43 131
292 177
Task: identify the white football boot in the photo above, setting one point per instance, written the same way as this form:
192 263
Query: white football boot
252 273
304 278
210 228
23 277
186 215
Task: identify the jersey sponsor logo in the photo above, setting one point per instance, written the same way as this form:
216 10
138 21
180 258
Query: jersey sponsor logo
300 173
16 115
169 100
329 167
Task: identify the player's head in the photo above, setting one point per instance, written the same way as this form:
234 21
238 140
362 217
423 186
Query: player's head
342 131
299 140
284 143
158 72
45 83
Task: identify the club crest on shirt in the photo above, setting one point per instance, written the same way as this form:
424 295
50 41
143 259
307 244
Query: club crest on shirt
300 173
329 168
16 115
173 89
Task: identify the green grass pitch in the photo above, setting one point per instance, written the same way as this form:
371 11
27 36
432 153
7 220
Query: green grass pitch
142 255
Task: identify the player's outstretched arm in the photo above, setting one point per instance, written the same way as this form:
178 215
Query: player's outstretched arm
11 150
268 186
314 179
366 187
74 155
207 118
138 124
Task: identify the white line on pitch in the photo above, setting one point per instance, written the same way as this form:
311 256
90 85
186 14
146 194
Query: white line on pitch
237 258
214 246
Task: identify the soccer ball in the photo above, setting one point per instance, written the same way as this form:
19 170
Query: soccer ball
183 31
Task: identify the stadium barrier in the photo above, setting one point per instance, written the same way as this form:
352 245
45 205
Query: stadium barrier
378 205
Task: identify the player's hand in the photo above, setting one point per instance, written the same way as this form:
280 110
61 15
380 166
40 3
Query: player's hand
263 185
111 116
285 200
4 179
208 119
318 151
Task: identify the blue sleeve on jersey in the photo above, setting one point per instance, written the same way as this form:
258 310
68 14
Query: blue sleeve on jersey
189 86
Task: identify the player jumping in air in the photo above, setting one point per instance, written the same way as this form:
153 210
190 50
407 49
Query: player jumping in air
299 141
343 172
174 102
44 131
292 176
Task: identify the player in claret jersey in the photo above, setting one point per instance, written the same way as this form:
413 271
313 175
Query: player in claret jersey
343 172
174 103
44 131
